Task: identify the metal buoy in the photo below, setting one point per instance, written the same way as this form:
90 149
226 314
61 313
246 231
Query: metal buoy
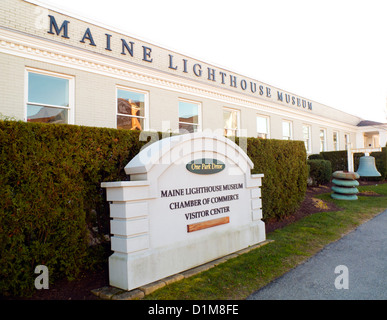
345 184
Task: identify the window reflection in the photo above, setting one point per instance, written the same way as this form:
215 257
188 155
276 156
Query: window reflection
188 117
336 141
129 123
322 140
46 114
307 140
130 110
286 130
230 120
48 98
48 90
262 127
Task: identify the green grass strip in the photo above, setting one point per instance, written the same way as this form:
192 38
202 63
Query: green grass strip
239 277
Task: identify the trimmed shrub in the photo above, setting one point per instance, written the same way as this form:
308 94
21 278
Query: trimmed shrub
338 159
50 198
284 166
315 157
381 163
320 172
51 202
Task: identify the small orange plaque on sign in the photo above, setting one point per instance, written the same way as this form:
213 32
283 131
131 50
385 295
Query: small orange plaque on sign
207 224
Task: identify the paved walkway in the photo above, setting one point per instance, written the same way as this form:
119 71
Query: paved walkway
363 253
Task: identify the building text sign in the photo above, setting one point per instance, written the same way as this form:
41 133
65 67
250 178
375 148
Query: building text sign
126 48
191 199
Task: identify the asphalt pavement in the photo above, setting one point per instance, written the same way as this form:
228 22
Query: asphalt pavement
352 268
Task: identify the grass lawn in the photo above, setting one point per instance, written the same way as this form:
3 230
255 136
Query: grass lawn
239 277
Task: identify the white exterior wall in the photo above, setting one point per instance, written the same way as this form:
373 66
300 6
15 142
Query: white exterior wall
382 138
97 73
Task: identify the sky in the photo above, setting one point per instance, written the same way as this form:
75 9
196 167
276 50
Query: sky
331 52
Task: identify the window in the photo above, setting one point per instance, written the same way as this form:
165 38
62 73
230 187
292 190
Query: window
49 97
189 116
131 109
263 127
286 130
336 145
307 138
322 140
346 141
375 141
231 122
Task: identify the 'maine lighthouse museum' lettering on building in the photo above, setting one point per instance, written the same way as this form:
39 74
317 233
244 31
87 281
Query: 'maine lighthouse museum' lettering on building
184 65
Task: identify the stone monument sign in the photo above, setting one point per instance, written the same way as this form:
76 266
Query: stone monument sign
191 199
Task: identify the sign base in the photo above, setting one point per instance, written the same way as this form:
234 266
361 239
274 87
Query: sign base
137 269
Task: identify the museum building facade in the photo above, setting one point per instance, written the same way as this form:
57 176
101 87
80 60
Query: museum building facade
57 67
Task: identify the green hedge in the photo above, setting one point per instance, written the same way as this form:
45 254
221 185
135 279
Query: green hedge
315 157
284 165
51 201
50 196
320 172
381 162
338 159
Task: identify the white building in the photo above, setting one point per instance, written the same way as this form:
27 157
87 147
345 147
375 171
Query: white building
58 67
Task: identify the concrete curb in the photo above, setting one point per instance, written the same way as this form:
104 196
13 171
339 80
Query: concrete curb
112 293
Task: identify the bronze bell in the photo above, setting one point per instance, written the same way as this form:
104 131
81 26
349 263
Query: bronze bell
367 167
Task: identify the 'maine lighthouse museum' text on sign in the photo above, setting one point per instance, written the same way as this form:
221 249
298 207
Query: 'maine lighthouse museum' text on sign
191 199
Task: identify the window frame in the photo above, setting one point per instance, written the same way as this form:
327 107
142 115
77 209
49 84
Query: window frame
267 118
290 129
238 113
309 144
70 78
336 145
324 146
199 104
146 105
